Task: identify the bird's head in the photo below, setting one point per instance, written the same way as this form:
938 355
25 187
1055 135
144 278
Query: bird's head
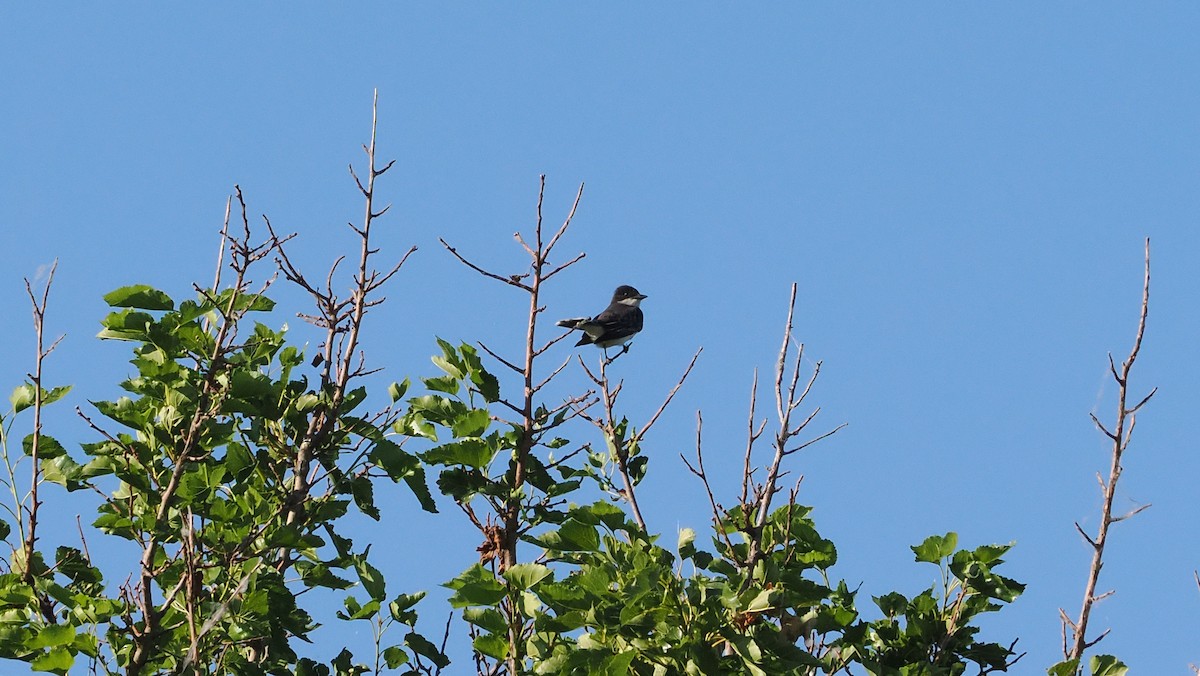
627 295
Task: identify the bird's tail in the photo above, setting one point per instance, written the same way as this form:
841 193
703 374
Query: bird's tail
573 323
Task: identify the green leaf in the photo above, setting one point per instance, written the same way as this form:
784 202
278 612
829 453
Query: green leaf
55 393
1107 665
357 611
319 575
71 562
488 619
343 667
372 580
255 303
447 384
395 657
764 600
308 667
990 554
487 384
139 296
460 483
495 647
127 324
617 665
475 586
238 461
53 635
306 402
353 398
396 390
453 373
572 536
471 452
254 389
363 490
416 484
525 575
936 547
471 424
686 544
637 468
402 465
1064 668
421 645
48 447
891 604
415 425
394 460
399 608
22 397
57 660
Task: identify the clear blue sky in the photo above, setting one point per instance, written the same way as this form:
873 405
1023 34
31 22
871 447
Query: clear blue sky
961 192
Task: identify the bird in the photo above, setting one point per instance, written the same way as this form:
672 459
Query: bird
616 325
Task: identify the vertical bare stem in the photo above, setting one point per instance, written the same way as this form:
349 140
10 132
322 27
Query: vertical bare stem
1120 437
509 508
757 498
39 325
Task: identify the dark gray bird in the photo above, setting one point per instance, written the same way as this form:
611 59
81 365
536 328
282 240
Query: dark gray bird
619 322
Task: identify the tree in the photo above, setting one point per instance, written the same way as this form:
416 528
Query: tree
229 466
236 458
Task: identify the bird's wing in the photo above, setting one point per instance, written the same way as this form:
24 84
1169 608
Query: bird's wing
618 320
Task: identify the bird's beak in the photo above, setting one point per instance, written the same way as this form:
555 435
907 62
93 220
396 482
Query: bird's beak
642 296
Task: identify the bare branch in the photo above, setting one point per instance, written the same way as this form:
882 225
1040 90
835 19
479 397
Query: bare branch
650 423
553 373
1103 429
1143 401
376 283
512 280
783 353
564 266
751 436
521 240
699 471
221 251
1087 537
553 341
1133 512
500 359
566 223
814 440
1120 436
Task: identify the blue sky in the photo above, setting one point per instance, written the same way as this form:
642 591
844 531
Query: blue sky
960 191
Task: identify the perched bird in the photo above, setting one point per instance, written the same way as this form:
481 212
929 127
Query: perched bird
619 322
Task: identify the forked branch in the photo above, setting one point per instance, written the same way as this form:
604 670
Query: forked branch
625 447
756 496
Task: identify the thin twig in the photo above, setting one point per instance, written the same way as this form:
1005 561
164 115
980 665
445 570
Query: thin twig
671 395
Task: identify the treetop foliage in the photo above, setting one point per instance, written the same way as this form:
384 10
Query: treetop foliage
235 459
